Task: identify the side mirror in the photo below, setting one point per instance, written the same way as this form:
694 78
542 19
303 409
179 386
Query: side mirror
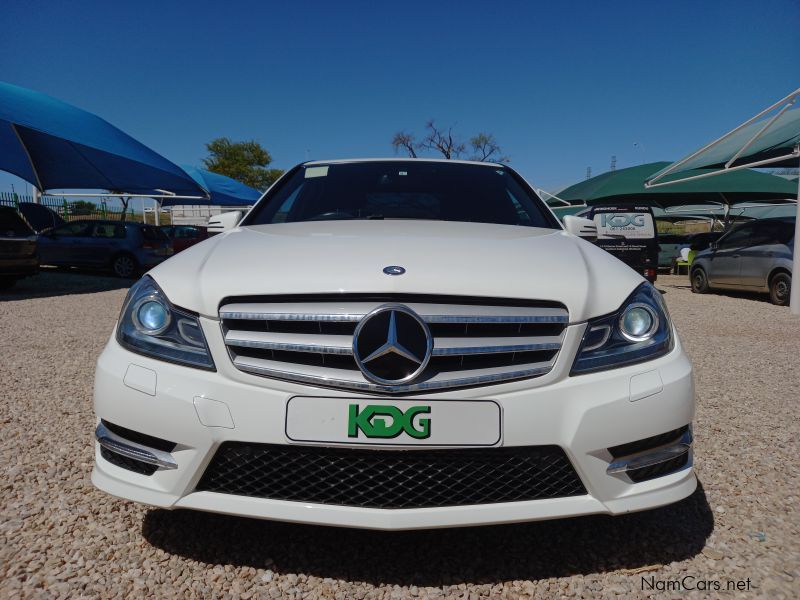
224 221
714 245
581 227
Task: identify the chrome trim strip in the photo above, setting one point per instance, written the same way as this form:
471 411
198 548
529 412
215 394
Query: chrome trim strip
312 348
354 318
495 319
119 445
259 316
450 347
391 389
465 350
345 310
653 456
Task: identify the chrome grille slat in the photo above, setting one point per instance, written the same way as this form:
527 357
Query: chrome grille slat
342 344
291 342
473 343
331 377
355 311
445 346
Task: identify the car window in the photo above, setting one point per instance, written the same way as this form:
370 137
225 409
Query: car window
775 232
11 224
108 231
737 238
185 233
169 231
441 191
153 233
74 229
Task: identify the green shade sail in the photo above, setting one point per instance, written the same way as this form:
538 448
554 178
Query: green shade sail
627 185
760 140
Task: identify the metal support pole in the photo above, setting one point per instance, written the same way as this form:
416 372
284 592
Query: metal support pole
795 291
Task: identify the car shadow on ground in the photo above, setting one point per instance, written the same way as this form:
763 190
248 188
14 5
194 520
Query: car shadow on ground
755 296
479 555
51 282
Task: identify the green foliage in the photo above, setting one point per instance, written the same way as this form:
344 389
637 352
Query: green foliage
82 207
247 162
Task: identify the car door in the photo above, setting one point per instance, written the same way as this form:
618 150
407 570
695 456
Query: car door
758 258
62 245
102 244
725 261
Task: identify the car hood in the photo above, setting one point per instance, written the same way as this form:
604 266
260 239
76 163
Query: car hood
441 258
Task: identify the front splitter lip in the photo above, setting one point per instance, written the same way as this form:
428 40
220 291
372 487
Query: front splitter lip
672 488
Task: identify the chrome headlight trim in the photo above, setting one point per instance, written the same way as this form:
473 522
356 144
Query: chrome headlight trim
137 322
653 326
616 348
169 343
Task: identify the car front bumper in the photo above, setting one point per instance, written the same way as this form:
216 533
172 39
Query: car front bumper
584 415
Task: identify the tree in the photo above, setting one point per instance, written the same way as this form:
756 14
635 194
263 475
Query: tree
244 161
443 141
486 149
82 207
405 141
439 140
124 200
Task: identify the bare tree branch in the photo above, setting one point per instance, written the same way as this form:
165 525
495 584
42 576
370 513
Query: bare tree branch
440 141
486 148
403 140
444 142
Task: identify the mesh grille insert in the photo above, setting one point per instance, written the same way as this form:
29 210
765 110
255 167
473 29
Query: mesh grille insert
391 478
131 464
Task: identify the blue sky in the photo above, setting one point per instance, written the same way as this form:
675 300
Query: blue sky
562 85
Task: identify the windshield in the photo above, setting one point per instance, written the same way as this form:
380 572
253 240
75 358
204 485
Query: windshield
439 191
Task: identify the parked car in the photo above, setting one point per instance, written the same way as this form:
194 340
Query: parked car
629 233
183 236
39 216
17 248
396 344
124 247
756 256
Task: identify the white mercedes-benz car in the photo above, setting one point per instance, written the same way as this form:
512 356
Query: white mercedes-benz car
396 344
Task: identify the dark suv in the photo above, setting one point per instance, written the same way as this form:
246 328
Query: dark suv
17 248
756 256
125 248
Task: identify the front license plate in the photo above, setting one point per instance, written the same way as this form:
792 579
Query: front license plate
393 422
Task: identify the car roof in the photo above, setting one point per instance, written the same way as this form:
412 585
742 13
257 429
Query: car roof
406 160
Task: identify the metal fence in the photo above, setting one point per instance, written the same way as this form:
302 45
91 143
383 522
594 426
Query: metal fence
70 210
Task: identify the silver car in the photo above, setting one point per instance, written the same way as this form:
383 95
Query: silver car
756 256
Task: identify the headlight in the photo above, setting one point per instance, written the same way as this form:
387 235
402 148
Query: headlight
150 325
639 331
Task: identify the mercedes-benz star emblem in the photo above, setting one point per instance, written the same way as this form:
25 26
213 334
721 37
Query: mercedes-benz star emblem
394 270
392 345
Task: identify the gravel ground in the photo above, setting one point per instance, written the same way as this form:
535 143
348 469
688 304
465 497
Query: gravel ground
61 537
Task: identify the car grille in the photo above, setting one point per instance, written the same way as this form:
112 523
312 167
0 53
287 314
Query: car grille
391 478
475 341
